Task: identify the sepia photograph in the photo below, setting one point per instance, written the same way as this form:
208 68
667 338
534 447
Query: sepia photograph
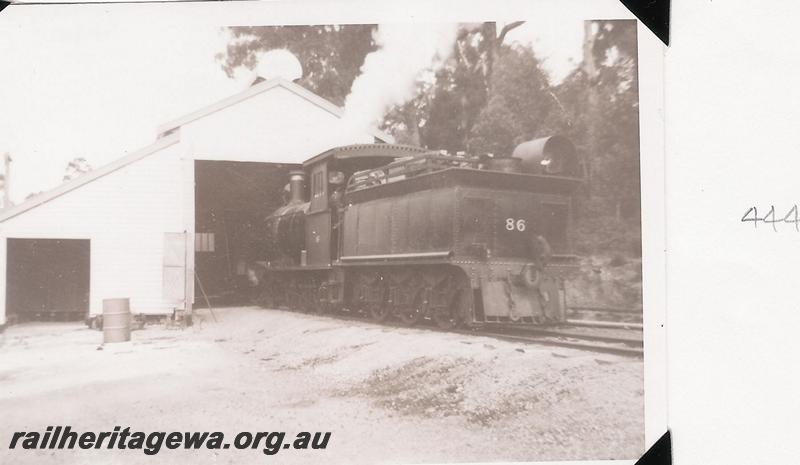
227 240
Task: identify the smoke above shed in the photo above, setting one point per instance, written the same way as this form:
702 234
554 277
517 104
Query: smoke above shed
389 74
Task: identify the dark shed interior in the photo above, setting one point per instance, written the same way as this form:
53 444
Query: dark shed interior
232 199
47 279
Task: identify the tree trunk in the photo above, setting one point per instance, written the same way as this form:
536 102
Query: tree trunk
589 67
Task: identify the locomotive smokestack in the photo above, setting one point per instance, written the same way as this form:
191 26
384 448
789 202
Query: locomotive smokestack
297 181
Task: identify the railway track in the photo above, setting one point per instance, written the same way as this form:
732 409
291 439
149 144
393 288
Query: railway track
622 342
616 348
612 341
605 314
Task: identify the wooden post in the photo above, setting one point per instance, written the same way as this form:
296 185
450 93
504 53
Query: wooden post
188 281
187 168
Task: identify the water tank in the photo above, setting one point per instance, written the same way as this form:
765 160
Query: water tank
554 155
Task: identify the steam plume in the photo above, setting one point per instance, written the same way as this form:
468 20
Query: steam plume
388 74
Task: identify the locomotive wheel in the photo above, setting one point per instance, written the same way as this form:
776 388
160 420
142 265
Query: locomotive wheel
277 293
379 312
449 317
321 307
312 305
445 318
411 315
264 299
294 299
322 304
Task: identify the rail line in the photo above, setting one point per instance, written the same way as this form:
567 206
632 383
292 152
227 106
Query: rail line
572 342
605 315
604 309
562 335
564 331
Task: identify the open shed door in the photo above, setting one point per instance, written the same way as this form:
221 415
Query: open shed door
48 279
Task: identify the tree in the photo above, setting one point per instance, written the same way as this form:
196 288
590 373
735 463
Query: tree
331 55
497 130
598 111
518 76
462 87
442 113
614 51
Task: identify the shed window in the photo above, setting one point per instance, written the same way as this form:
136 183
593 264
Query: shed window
204 242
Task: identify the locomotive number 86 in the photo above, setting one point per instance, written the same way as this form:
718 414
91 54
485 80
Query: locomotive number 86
394 231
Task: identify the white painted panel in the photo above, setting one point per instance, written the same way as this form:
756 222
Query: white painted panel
174 249
274 126
174 281
125 214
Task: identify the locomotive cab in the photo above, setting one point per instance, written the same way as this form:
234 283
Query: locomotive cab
305 232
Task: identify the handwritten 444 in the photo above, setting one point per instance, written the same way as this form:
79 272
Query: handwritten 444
791 217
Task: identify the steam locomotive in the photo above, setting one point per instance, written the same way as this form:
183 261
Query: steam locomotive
395 231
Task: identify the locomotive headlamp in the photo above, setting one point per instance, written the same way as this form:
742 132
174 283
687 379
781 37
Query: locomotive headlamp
529 276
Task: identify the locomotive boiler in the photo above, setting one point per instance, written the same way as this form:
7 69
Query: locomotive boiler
394 231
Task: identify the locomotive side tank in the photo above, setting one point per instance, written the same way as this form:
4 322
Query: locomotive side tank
425 235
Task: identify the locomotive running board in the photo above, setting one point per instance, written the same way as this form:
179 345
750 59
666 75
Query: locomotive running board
397 256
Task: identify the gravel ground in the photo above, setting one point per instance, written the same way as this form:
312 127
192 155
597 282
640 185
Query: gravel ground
387 394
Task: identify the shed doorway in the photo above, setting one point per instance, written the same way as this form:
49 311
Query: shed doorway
47 279
232 199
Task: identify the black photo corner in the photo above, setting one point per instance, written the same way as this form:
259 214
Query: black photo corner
3 4
652 13
660 453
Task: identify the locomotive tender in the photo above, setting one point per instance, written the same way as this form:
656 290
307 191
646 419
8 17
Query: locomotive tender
400 231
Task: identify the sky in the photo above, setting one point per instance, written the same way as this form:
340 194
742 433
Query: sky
95 81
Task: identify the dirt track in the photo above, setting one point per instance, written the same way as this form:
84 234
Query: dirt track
388 395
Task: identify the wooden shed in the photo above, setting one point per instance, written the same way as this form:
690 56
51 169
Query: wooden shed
181 211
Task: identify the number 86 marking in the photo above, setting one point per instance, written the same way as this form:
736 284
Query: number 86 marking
512 224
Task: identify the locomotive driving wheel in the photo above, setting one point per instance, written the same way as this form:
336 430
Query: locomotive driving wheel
293 296
322 303
445 318
449 316
410 315
379 311
373 297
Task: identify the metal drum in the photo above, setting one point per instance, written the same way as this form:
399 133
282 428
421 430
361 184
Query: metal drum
116 320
